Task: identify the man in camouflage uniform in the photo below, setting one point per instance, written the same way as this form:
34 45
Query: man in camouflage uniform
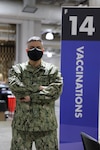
36 85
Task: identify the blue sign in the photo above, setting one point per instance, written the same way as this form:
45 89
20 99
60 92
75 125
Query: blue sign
80 66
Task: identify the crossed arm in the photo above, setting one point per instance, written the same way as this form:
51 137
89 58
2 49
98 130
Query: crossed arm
37 93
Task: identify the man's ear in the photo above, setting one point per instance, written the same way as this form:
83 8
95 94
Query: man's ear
42 49
26 49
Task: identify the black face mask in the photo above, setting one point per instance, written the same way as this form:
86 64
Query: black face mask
35 54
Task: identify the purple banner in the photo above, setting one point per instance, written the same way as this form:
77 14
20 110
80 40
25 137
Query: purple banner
80 65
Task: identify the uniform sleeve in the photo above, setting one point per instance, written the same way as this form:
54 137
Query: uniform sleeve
17 86
53 90
14 79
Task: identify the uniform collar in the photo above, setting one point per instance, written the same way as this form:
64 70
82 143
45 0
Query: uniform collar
31 68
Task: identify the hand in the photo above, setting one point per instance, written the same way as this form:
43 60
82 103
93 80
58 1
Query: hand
25 99
41 88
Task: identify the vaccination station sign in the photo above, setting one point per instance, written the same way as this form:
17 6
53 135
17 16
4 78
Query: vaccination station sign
80 67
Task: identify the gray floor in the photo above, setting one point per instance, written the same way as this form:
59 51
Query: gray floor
5 131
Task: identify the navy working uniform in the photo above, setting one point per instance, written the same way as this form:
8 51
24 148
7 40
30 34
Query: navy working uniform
35 120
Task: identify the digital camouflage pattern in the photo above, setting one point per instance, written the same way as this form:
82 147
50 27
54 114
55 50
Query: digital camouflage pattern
43 140
39 113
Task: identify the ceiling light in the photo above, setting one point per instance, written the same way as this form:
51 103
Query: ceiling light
49 36
49 54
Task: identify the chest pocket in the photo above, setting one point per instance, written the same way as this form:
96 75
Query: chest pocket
43 80
29 78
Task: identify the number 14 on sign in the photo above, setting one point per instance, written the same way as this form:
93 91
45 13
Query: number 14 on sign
86 25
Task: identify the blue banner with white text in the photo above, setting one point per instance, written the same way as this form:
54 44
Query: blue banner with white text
80 66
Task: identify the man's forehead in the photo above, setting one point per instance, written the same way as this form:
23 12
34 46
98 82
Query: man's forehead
35 43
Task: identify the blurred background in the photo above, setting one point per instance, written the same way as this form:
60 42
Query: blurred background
20 19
